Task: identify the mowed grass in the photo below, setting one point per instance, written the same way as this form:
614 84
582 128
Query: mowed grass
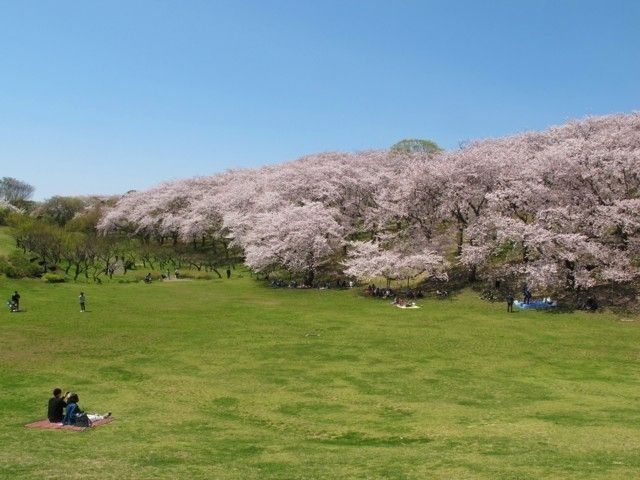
232 379
7 242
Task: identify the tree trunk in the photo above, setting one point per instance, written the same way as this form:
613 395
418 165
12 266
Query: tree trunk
309 277
473 273
459 240
77 272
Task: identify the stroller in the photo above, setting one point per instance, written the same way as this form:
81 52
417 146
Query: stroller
12 305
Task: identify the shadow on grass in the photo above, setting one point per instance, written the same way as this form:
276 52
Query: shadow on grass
357 439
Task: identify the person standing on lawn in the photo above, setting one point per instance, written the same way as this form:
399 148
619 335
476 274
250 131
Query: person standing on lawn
82 300
510 301
15 298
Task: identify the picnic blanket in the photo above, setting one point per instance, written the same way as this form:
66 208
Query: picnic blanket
47 425
407 306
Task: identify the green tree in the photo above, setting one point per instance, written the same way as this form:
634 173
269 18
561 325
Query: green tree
416 145
43 240
60 210
79 252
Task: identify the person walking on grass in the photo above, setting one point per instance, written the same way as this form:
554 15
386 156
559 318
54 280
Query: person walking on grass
82 300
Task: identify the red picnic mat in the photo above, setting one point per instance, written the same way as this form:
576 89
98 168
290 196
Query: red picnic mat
47 425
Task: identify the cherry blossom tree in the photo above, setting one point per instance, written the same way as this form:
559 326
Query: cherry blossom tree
557 209
368 261
568 218
301 239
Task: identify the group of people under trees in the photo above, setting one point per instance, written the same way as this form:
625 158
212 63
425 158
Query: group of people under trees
321 285
405 297
66 410
527 297
164 276
388 292
401 302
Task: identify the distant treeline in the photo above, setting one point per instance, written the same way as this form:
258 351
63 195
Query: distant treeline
558 211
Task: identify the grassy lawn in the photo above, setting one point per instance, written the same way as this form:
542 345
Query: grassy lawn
7 242
232 379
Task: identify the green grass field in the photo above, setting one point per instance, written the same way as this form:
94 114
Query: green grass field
7 242
232 379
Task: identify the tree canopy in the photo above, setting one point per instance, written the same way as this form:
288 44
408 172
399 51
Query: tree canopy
14 191
416 145
558 210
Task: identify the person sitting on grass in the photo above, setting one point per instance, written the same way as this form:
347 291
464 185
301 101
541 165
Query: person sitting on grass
399 302
74 411
55 412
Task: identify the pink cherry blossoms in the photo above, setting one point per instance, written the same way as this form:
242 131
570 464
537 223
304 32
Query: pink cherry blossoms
558 210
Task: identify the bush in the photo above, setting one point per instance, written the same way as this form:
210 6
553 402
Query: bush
4 215
8 269
54 278
18 265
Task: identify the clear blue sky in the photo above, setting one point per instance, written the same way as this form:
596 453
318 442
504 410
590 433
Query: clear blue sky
107 96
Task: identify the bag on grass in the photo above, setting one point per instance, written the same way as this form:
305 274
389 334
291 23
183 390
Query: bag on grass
82 420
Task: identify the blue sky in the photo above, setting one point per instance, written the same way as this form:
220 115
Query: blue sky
108 96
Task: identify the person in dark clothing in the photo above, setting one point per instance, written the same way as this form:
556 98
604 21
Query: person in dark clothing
56 407
228 273
526 294
510 301
591 304
15 298
72 409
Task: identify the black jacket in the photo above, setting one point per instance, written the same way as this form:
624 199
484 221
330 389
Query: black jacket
56 407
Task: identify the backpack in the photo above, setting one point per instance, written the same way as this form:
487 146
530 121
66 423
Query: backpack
82 420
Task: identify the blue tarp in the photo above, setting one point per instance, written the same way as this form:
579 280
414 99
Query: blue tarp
535 305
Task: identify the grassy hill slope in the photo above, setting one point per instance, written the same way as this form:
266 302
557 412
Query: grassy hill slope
7 243
231 379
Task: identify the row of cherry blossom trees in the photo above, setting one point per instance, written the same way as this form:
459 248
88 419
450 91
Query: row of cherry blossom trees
558 210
